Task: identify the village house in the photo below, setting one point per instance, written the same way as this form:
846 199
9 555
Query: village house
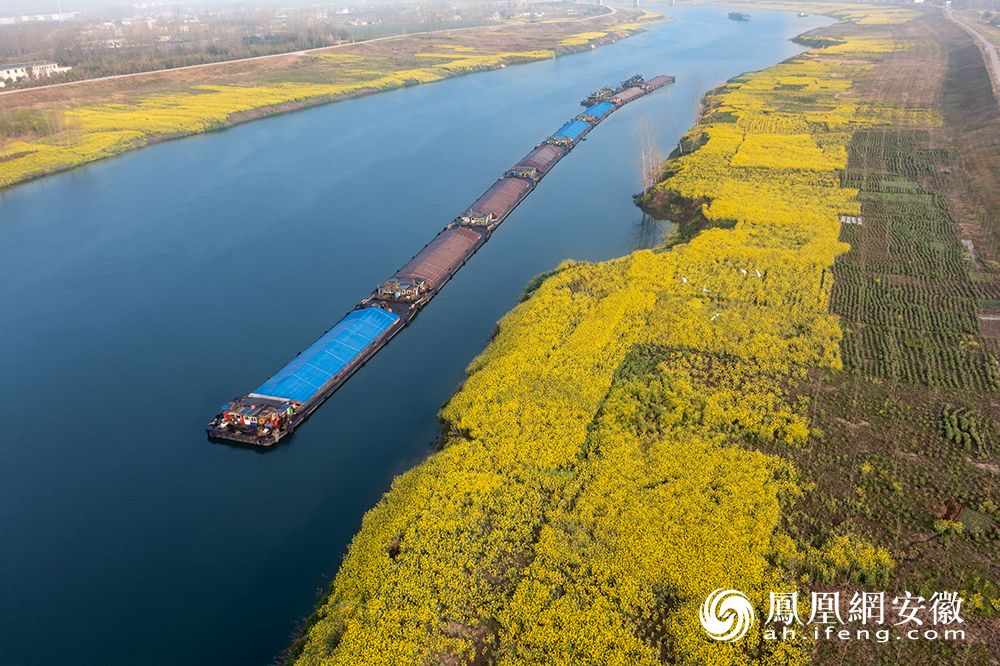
29 70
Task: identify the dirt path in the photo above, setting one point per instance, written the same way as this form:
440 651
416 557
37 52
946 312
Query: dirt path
986 45
282 55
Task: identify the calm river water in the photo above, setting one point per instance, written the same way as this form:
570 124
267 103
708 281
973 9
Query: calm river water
139 294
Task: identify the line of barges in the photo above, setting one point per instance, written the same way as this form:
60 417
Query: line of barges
279 405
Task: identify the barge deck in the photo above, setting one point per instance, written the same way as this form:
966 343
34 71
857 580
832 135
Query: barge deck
278 406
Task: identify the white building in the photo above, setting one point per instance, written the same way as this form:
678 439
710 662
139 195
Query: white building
33 18
29 70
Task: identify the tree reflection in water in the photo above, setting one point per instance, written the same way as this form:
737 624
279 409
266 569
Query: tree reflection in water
647 233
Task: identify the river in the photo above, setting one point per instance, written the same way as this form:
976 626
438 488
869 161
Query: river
141 293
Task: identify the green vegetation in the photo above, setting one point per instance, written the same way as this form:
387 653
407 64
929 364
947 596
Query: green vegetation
967 429
27 122
817 42
644 431
903 286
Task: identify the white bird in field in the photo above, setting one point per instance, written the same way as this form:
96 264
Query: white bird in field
704 289
684 280
743 270
757 273
714 316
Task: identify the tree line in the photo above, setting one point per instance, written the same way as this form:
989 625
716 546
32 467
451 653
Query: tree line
142 44
96 50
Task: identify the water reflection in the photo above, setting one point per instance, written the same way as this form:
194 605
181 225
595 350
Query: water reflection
647 234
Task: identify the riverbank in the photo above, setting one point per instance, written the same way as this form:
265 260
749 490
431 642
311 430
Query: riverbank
884 461
95 120
646 430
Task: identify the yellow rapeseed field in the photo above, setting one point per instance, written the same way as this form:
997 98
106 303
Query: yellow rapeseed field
581 38
582 509
586 37
97 131
870 15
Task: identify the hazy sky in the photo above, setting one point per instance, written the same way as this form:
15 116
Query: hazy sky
18 7
31 6
8 7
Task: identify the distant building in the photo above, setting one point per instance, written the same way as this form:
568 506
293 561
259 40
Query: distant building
34 18
29 70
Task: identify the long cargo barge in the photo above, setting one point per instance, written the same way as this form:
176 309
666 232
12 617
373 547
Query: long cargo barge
607 93
277 407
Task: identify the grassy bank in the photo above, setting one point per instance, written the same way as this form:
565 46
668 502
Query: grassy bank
646 430
95 120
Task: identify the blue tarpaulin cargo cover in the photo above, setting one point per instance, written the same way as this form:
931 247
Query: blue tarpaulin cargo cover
305 375
599 110
572 129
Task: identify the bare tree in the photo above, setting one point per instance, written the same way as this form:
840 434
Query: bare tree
710 98
650 162
694 89
673 117
703 102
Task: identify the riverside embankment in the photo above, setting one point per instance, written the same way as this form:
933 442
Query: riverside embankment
92 120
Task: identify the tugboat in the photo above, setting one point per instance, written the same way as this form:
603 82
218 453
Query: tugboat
632 82
739 16
598 96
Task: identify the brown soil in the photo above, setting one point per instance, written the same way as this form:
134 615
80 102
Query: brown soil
913 77
390 55
990 327
893 427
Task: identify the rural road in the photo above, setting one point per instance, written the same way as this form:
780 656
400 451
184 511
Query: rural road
986 44
277 55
